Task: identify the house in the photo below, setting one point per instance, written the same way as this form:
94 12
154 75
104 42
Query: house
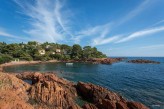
58 51
53 53
47 46
42 52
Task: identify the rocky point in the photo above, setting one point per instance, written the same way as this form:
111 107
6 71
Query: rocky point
48 91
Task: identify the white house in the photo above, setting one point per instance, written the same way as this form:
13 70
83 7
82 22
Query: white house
42 52
58 51
53 53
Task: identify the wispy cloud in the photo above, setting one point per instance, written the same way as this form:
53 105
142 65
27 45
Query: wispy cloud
3 33
101 41
46 19
50 20
134 12
141 34
159 22
95 31
153 46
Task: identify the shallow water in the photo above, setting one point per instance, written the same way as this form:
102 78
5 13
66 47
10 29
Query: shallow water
138 82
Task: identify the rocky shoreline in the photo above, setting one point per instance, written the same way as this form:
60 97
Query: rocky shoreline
92 61
142 61
48 91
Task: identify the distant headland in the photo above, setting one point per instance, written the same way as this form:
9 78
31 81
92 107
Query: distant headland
35 51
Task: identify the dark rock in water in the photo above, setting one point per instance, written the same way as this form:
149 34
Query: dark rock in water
48 91
142 61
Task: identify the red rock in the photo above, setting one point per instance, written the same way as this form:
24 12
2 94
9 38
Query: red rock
51 92
106 104
136 105
105 99
89 106
13 93
1 69
121 105
94 93
74 107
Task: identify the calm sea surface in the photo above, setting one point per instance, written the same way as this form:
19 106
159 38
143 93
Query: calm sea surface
138 82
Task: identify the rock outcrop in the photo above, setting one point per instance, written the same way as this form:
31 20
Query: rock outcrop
13 93
102 98
1 69
47 91
142 61
104 60
50 90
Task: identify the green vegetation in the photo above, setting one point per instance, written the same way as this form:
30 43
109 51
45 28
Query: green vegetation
46 51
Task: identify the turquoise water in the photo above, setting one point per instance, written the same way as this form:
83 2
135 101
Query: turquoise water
138 82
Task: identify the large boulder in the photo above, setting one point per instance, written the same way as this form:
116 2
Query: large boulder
94 93
103 98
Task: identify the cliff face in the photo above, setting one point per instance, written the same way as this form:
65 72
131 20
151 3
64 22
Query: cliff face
47 91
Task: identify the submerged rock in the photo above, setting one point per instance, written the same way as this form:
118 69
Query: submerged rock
142 61
48 91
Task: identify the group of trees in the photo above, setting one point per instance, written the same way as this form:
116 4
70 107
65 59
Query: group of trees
30 51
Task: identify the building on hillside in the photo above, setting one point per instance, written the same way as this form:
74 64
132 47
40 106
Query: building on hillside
58 51
42 52
47 46
53 53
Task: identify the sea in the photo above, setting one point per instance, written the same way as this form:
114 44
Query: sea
136 82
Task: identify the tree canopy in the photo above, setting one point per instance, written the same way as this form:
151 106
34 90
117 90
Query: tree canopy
31 51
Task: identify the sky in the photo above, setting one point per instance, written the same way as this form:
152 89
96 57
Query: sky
115 27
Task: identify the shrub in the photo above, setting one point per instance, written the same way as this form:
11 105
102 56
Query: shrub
5 59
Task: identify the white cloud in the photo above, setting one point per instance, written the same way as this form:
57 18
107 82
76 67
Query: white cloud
141 34
46 19
101 41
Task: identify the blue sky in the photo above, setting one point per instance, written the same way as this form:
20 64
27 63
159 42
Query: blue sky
115 27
